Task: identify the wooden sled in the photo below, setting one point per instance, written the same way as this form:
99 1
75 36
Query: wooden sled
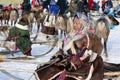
111 71
49 30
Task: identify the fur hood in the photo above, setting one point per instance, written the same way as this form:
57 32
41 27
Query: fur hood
21 26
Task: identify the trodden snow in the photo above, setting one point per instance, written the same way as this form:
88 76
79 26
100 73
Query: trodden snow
113 48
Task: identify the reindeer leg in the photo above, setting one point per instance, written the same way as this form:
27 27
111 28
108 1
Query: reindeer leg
11 23
64 34
7 22
4 22
30 28
15 22
105 49
61 34
38 27
1 22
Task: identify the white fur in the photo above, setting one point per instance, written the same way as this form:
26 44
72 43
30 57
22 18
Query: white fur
101 25
45 11
22 27
51 22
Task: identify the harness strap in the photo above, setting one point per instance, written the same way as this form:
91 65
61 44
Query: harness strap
62 76
81 52
88 40
74 66
74 57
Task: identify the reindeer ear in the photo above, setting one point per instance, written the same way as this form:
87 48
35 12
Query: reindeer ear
114 21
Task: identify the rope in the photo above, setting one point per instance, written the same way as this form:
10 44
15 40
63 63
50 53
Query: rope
51 63
53 46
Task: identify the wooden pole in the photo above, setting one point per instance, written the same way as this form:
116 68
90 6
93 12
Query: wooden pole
22 61
112 74
25 70
17 70
10 75
27 61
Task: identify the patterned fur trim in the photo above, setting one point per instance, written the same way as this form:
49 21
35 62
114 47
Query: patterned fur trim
22 27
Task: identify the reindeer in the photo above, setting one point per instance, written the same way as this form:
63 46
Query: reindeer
102 29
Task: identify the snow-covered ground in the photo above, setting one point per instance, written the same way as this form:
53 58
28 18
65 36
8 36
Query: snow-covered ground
113 47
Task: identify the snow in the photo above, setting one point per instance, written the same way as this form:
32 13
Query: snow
113 47
37 49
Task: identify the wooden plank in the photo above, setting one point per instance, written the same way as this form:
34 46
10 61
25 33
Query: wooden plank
22 61
16 70
27 70
112 74
8 52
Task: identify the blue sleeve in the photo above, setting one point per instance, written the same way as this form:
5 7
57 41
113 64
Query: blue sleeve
54 9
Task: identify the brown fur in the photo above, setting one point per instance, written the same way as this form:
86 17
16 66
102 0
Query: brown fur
61 24
114 21
4 30
94 44
29 17
37 8
82 71
98 68
48 25
9 15
6 16
39 18
13 16
39 15
1 15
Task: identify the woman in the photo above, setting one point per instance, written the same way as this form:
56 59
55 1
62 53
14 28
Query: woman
80 27
20 35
